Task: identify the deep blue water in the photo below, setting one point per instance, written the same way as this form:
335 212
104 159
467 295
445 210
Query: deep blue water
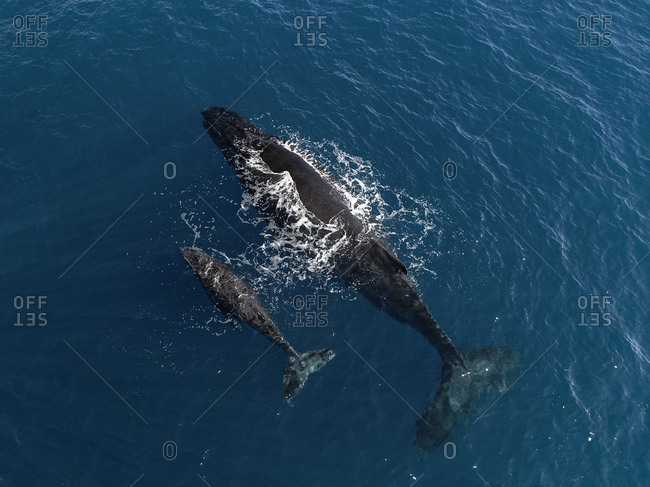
548 207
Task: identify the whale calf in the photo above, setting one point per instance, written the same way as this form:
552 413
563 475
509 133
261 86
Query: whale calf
235 298
363 259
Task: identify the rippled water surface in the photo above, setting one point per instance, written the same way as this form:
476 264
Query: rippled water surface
503 149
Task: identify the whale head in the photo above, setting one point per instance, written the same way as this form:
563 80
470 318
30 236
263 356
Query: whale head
195 259
231 132
204 266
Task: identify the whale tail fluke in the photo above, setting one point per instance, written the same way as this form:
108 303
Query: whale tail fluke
489 369
299 369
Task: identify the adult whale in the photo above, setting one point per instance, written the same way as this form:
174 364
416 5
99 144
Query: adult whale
235 298
363 259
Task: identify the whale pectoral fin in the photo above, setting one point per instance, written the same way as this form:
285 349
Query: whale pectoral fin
390 259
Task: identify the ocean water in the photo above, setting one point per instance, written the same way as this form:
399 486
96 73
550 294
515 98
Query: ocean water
503 147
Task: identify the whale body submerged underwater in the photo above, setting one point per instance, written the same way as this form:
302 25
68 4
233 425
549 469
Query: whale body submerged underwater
362 259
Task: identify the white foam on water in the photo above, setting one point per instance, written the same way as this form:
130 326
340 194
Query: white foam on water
295 254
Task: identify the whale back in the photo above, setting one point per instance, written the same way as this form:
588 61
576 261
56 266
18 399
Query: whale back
228 291
318 195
